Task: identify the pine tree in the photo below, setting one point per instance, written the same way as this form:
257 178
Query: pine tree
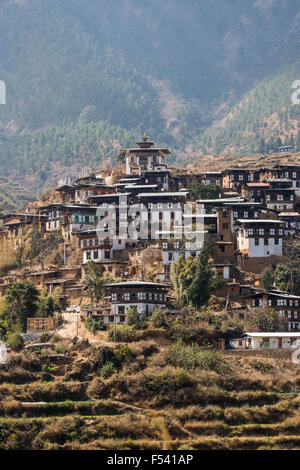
199 291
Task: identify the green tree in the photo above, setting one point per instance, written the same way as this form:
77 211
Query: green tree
183 271
203 191
267 320
282 276
199 291
132 317
20 303
48 305
94 282
267 280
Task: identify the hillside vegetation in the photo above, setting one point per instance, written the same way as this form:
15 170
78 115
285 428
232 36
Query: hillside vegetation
92 75
150 394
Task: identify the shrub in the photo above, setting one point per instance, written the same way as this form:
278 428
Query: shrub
44 338
125 334
94 325
15 341
122 354
157 318
132 317
46 373
116 357
60 349
190 357
107 370
191 333
163 382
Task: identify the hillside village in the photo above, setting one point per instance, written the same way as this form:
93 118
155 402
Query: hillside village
151 337
250 214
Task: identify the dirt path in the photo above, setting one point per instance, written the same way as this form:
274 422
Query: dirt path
70 329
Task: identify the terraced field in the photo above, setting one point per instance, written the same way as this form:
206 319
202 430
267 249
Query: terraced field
251 404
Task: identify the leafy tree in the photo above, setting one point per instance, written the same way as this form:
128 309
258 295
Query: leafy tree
203 191
158 318
282 276
94 325
94 282
20 303
183 271
267 280
267 320
48 305
15 341
132 317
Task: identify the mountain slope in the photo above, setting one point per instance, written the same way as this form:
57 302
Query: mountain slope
263 119
85 76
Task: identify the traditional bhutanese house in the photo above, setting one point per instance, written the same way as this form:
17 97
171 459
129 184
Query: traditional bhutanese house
69 218
276 340
80 192
220 226
285 148
140 294
95 247
160 177
114 199
280 196
258 241
182 180
209 206
172 248
145 157
42 279
291 222
165 210
211 177
255 192
15 225
290 172
234 178
136 189
286 304
207 222
243 210
224 270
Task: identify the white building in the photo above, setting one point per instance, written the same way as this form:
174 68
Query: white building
259 238
5 353
268 340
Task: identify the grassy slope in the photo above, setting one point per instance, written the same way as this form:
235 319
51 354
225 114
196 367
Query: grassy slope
252 404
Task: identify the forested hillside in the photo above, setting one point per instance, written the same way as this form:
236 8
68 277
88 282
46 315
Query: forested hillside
264 118
86 76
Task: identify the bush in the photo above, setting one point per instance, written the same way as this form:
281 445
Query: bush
125 334
189 333
46 373
157 318
94 325
190 357
60 349
116 357
15 341
132 317
107 370
163 381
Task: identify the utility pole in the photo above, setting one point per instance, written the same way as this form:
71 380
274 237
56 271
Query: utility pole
115 326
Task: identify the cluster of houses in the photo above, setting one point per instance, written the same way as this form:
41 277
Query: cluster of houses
255 212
